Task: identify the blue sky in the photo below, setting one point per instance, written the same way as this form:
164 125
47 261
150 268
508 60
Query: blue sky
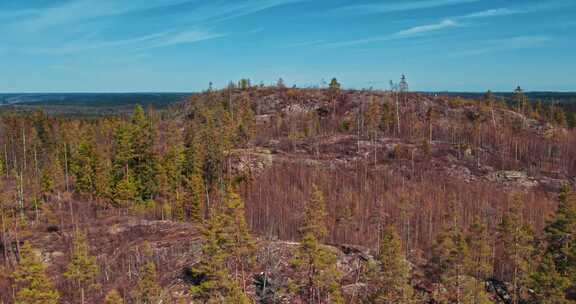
182 45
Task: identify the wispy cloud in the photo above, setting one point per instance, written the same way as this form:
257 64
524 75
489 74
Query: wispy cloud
444 24
497 12
215 11
526 9
155 40
183 38
92 24
365 9
447 23
304 43
419 30
85 10
507 44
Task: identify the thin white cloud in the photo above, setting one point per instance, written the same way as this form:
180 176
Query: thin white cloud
367 40
80 11
304 43
364 9
444 24
507 44
406 33
84 10
219 11
497 12
526 9
184 38
155 40
452 22
120 60
86 20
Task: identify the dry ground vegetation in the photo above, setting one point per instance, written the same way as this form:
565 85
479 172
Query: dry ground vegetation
257 194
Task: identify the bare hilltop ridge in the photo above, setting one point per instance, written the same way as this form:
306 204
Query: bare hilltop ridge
288 195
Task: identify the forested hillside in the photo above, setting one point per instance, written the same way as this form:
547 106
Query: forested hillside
286 195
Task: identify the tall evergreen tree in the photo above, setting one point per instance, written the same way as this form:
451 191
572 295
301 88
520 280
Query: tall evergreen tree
480 267
144 157
315 215
548 285
126 191
450 261
147 290
82 164
32 284
515 242
170 171
557 272
83 268
246 124
123 150
195 197
217 284
47 183
311 258
194 161
92 175
174 159
391 278
214 147
242 244
521 101
560 233
194 149
334 85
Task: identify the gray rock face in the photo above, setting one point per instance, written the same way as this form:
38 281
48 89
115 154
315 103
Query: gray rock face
518 178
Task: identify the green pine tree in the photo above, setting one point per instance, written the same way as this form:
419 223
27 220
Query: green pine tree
515 241
83 268
144 159
480 267
194 149
174 159
82 164
334 85
217 284
315 215
179 212
246 124
126 191
47 182
391 277
548 285
242 245
195 197
449 261
556 274
31 283
521 101
123 150
314 260
92 175
560 233
194 186
147 290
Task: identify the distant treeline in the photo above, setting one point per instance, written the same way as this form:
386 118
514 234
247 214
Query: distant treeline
86 104
92 99
565 99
